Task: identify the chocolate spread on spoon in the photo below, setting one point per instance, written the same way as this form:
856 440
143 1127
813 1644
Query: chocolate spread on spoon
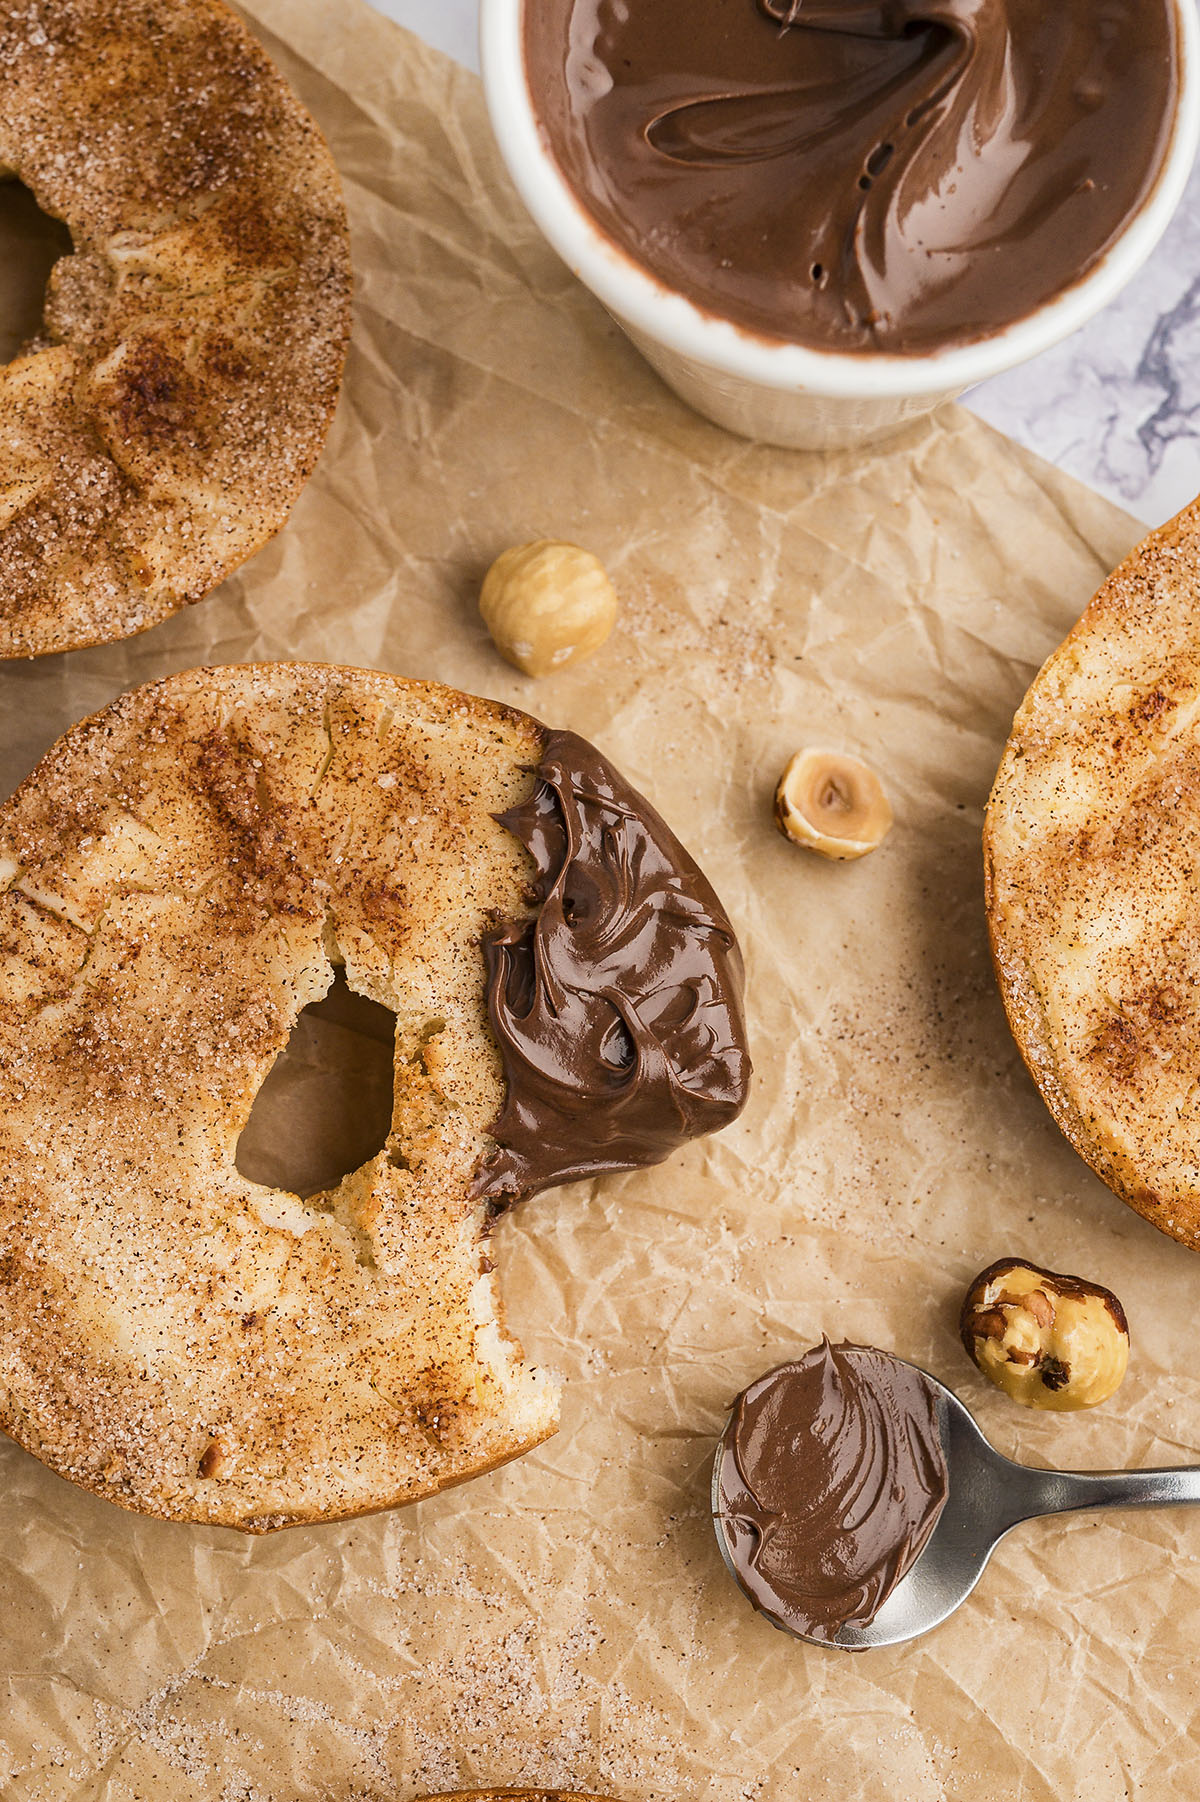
618 1007
830 1479
858 174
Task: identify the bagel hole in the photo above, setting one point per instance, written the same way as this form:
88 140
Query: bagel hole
30 245
325 1106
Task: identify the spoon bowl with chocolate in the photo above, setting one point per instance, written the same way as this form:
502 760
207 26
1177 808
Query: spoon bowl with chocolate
856 1502
817 220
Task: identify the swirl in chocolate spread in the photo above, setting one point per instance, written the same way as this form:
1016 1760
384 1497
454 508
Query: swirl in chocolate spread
830 1479
617 1008
858 174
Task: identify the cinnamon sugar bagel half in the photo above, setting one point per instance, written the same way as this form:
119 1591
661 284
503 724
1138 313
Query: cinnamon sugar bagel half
159 430
1092 849
513 1795
178 878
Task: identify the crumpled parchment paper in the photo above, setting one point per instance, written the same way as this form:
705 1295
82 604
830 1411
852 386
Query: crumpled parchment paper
567 1620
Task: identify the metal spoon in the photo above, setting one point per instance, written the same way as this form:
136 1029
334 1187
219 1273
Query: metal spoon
988 1495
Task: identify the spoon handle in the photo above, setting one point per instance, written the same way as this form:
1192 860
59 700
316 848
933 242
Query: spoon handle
1066 1491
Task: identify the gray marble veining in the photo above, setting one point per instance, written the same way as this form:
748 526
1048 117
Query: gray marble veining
1118 403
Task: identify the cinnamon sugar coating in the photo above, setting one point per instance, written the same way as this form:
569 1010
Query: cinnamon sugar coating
1092 844
161 427
178 878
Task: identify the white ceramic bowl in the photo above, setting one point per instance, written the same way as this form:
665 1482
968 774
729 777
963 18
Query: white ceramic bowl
787 393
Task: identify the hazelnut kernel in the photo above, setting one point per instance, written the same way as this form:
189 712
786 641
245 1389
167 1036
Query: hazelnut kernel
213 1460
1040 1306
547 604
1049 1341
832 804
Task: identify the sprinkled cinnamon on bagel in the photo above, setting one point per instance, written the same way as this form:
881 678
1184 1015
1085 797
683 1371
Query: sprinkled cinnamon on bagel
1092 846
162 425
513 1795
179 878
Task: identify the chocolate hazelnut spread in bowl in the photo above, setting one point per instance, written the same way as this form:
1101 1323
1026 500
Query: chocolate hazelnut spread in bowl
858 174
819 217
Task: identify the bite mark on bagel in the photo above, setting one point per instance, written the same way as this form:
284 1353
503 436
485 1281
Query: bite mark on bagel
178 880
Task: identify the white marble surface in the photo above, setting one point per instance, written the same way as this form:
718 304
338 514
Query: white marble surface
1118 404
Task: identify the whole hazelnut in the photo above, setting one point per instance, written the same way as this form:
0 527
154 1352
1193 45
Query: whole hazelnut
1047 1340
547 604
832 804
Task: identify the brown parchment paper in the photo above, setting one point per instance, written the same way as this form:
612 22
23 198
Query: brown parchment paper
567 1620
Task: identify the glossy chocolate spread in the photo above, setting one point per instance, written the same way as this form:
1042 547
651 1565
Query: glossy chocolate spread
830 1479
618 1007
858 174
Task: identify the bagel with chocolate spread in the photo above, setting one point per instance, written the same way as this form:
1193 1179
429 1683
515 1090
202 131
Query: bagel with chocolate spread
1092 847
160 428
179 877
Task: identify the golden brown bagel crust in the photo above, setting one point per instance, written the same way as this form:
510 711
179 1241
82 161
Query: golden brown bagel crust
178 878
160 430
513 1795
1092 857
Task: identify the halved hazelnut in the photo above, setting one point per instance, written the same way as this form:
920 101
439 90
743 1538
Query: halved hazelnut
832 804
1047 1340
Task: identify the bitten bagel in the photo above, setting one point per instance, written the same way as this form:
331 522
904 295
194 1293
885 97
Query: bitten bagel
179 877
159 430
1092 847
